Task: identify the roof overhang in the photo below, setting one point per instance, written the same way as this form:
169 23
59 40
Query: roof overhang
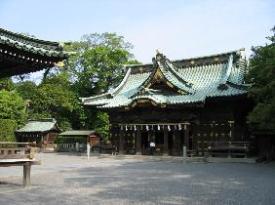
20 54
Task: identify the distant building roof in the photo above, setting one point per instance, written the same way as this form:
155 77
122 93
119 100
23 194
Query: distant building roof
77 133
186 81
42 125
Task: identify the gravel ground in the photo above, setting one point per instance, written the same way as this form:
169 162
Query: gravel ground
69 179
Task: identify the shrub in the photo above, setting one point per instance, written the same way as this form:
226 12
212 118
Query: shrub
7 128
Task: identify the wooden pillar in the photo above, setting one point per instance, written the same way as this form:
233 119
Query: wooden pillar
175 142
121 141
178 141
165 136
27 174
195 141
231 130
186 137
231 136
149 136
138 141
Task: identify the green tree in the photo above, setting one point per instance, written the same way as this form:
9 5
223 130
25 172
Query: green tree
262 76
12 106
7 128
98 62
54 97
12 110
7 84
26 89
97 66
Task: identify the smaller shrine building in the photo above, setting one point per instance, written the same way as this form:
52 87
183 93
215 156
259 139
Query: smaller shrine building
42 131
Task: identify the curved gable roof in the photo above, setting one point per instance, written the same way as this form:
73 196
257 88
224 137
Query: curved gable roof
200 78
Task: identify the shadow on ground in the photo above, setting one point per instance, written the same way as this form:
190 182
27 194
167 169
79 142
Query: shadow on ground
145 182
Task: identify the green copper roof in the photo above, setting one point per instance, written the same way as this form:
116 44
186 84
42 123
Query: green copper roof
42 125
187 81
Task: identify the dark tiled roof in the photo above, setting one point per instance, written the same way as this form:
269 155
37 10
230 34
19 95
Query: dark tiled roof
20 53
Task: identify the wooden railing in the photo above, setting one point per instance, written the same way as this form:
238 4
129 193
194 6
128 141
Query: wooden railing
19 154
17 150
228 148
223 148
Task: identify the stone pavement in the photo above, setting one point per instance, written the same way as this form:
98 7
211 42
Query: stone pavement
70 179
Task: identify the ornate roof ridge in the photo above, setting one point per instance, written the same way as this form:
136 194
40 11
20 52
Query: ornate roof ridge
19 36
173 80
211 55
176 74
228 69
95 97
137 65
149 66
122 83
109 93
162 59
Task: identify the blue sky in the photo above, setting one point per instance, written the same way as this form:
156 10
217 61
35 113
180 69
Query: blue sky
179 28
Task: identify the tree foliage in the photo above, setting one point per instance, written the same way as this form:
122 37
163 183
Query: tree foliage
7 128
12 106
95 66
52 98
98 62
262 76
6 84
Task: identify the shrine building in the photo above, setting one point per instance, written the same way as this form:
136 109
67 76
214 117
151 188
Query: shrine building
189 103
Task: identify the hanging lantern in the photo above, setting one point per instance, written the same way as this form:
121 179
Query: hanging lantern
121 127
168 127
180 127
135 127
158 127
126 128
147 127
